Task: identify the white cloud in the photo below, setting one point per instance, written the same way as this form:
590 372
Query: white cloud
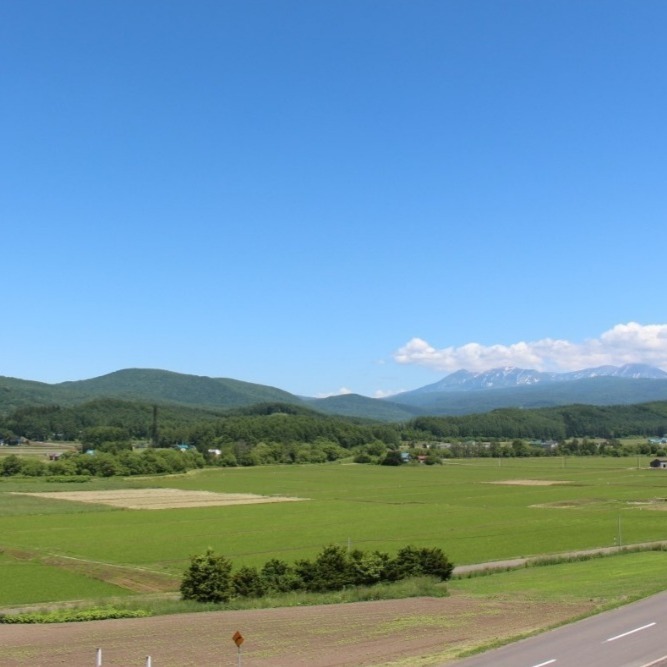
384 393
343 391
622 344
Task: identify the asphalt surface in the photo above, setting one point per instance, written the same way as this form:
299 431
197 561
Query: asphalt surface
631 636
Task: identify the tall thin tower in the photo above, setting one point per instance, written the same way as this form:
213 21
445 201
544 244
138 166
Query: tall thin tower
155 435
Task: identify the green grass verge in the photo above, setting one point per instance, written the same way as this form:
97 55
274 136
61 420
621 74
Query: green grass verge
29 582
607 580
132 607
71 615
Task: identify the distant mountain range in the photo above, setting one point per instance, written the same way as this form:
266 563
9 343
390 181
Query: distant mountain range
459 393
464 392
503 378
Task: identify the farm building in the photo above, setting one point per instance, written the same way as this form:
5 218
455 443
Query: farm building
658 463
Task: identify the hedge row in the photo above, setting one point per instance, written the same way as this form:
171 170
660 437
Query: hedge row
209 577
104 464
72 615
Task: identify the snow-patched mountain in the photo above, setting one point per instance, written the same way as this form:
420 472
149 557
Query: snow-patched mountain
496 378
509 376
633 371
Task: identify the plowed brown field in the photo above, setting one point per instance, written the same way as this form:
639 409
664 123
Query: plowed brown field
418 631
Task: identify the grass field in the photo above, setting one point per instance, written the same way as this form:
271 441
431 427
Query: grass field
459 507
610 579
27 581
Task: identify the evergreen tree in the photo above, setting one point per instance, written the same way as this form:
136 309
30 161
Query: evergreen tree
208 578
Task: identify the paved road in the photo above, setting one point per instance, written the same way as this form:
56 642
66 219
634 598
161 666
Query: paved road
631 636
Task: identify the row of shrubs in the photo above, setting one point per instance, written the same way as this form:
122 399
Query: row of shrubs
72 615
104 464
209 577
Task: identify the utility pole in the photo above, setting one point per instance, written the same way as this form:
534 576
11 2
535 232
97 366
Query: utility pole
155 436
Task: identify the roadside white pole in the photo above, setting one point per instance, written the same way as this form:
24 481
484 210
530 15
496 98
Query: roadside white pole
148 661
620 537
98 657
237 638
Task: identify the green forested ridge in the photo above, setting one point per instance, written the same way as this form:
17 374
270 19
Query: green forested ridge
56 422
15 393
264 422
147 385
353 405
573 421
290 424
169 388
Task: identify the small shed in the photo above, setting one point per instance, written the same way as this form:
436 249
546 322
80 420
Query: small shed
659 463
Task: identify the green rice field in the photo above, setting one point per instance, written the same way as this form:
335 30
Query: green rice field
466 507
625 575
26 582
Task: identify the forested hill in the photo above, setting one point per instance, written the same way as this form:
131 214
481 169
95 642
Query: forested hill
354 405
166 386
264 422
146 385
169 388
176 389
296 424
572 421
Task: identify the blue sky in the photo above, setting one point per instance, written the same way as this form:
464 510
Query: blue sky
331 196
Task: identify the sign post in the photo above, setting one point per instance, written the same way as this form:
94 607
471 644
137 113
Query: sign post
238 639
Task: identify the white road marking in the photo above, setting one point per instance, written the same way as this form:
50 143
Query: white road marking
631 632
655 662
548 662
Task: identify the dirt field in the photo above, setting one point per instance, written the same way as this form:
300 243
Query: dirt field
158 499
410 633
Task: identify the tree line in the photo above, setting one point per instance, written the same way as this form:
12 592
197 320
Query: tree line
275 433
282 423
557 423
72 465
210 576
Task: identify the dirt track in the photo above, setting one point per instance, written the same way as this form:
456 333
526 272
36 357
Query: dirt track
351 635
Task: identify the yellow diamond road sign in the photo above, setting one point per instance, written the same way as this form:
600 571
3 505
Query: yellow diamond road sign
238 638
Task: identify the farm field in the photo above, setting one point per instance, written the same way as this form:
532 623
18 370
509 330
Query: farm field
476 510
416 632
40 450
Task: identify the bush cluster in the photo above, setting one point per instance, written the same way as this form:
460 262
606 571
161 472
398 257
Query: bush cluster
104 464
210 576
